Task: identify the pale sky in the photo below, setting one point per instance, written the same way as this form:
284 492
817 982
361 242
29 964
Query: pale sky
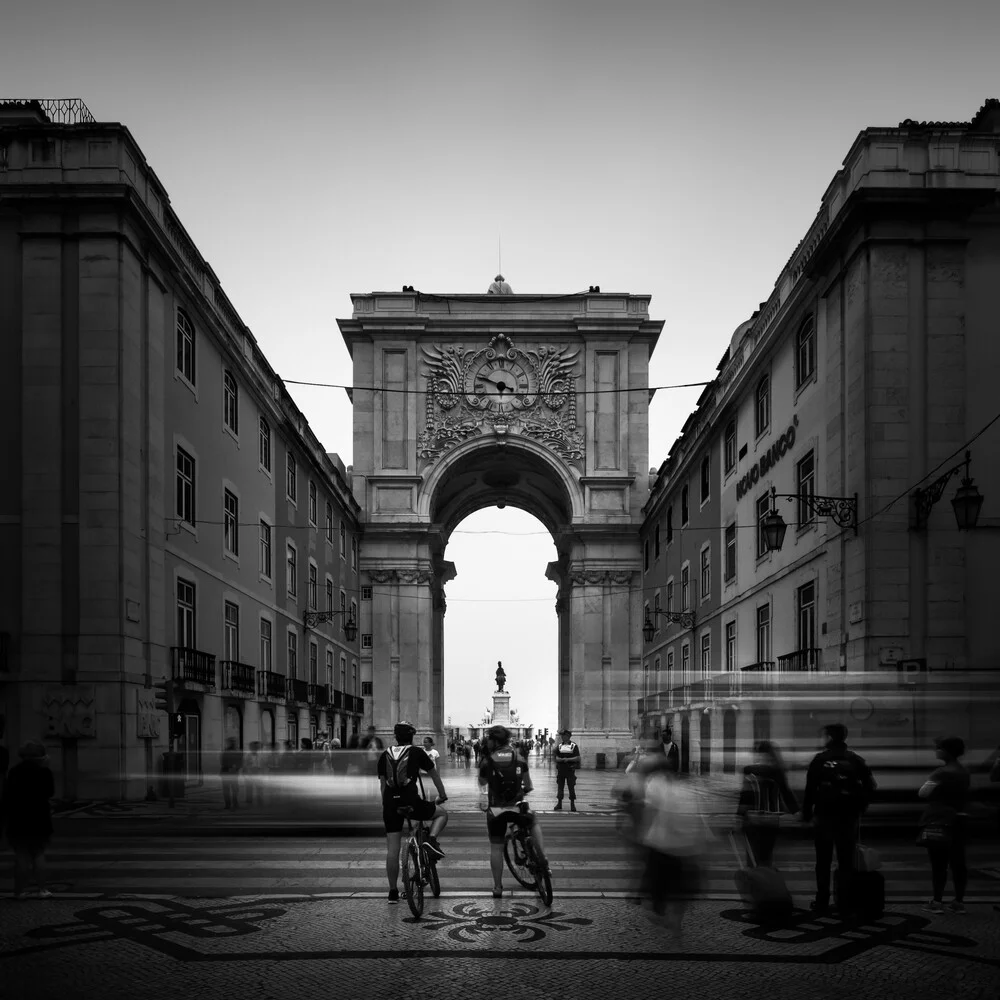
314 149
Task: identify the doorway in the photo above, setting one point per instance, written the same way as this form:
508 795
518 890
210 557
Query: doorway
191 746
685 744
705 740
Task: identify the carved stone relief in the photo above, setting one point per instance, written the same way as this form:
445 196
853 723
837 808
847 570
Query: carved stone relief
504 390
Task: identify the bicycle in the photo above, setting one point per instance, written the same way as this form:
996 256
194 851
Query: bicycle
525 861
419 865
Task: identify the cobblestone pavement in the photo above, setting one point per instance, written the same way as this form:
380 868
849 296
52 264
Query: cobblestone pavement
275 946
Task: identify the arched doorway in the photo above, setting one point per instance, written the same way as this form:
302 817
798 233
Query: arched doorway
705 740
232 726
729 741
685 743
190 741
267 729
493 403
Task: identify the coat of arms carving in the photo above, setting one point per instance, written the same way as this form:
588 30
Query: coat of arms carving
502 389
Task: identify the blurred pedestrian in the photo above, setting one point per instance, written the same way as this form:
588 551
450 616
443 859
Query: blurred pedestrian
567 763
671 751
430 751
942 825
839 788
252 784
27 817
230 765
764 796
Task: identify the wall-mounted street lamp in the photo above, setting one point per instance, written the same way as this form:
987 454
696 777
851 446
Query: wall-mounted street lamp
683 618
313 618
966 502
843 510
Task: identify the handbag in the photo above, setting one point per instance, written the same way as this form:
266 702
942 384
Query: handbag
769 815
935 835
867 859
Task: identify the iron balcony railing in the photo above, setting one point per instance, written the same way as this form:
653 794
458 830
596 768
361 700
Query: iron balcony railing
801 661
338 698
237 677
354 704
58 110
319 695
193 666
270 685
297 690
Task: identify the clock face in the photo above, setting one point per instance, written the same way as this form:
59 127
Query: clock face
502 385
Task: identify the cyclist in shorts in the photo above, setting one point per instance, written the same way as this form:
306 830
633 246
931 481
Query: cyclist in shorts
399 770
503 783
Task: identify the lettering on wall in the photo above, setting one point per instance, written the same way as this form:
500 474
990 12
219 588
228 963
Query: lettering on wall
767 461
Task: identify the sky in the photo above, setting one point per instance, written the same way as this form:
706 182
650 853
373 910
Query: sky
678 149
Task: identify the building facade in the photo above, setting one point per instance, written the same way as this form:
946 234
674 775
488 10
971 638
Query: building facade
864 377
169 514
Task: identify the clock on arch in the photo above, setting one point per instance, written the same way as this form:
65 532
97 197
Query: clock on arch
503 383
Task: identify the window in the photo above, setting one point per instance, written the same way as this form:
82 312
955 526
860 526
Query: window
343 541
265 644
343 673
645 612
806 616
231 522
354 553
343 602
312 502
706 653
231 626
230 402
656 542
730 645
329 671
805 353
312 594
185 486
763 509
265 549
185 346
291 489
645 554
656 675
730 570
670 595
706 478
645 679
685 661
729 446
354 677
293 655
329 594
805 479
291 571
684 506
354 611
264 445
764 633
670 665
686 588
706 573
367 640
185 614
313 663
670 524
329 522
656 609
366 593
762 408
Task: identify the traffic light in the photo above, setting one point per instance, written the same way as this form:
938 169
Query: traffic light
176 725
164 695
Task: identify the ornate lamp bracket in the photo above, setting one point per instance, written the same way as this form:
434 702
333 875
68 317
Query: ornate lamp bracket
842 510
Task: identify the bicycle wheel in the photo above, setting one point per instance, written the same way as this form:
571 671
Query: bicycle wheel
517 860
413 881
541 870
430 866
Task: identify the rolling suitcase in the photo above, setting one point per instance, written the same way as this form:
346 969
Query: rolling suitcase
762 888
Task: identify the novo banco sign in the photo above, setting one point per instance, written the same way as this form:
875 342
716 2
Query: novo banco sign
767 461
537 402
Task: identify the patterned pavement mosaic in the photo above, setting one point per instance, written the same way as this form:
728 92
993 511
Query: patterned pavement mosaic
264 946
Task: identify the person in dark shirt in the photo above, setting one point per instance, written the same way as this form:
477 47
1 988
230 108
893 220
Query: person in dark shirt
567 763
399 770
764 796
945 792
27 817
839 787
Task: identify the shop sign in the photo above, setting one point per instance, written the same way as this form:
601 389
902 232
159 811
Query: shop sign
767 461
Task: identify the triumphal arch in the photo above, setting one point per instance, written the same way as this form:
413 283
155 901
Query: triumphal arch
534 401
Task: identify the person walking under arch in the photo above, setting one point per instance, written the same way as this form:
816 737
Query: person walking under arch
567 763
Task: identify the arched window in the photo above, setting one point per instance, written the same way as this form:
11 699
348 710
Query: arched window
684 506
670 525
762 410
230 402
805 352
729 446
185 346
706 478
656 542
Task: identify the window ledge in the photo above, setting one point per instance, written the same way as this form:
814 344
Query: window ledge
799 389
179 376
233 434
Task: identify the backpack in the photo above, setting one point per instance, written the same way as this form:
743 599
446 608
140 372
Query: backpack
397 769
841 787
506 771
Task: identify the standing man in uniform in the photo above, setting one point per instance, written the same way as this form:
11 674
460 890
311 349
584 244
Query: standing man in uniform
567 761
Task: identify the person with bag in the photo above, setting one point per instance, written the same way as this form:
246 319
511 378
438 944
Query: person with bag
399 769
27 817
942 825
765 795
839 788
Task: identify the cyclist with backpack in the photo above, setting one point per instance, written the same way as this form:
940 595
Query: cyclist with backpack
503 783
839 788
399 771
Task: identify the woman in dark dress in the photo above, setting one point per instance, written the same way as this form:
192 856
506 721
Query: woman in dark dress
27 817
764 797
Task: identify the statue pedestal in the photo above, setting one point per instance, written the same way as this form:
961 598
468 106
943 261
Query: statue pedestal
501 708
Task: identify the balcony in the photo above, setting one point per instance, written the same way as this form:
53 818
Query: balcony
338 699
319 695
270 685
296 690
237 677
801 661
192 666
354 703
